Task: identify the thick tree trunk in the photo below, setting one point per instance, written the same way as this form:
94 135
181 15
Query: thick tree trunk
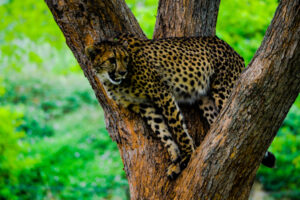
225 164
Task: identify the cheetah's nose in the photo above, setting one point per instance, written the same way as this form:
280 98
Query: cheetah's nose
122 73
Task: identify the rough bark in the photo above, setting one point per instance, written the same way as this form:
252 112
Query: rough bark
225 164
178 18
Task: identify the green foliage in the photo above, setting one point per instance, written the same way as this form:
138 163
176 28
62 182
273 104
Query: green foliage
145 12
74 155
82 162
28 20
284 180
32 37
2 88
41 101
242 24
12 151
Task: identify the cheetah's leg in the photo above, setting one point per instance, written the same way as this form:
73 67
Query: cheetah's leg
223 82
220 88
210 106
174 119
208 109
155 120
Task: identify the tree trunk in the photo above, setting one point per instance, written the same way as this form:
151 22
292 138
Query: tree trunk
178 18
225 164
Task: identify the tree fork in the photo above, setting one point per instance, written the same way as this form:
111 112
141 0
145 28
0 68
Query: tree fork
225 164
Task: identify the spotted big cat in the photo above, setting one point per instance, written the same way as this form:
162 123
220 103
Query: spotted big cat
151 77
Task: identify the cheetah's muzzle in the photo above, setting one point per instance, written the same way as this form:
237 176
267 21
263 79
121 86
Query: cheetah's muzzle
113 79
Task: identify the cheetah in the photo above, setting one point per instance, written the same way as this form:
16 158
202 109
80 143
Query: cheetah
151 77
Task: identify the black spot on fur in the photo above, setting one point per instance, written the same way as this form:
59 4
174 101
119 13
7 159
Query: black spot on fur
157 120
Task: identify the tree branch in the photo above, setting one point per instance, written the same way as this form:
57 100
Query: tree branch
225 164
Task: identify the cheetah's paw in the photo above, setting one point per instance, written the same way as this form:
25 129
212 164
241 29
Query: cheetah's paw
173 171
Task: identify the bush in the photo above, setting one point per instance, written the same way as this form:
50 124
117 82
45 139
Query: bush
78 162
44 99
12 152
64 125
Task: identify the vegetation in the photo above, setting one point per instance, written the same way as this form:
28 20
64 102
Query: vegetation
53 141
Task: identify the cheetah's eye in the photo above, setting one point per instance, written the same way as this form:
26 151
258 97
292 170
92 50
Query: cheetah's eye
112 60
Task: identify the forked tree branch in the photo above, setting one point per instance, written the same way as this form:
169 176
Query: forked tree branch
225 164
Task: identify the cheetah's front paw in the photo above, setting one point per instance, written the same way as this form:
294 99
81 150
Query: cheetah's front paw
174 153
176 168
173 171
184 161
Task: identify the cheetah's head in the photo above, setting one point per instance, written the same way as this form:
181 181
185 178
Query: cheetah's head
109 61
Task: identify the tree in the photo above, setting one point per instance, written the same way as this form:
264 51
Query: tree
225 163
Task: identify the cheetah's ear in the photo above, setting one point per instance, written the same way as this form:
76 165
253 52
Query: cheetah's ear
91 52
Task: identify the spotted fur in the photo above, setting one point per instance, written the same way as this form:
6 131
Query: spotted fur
151 77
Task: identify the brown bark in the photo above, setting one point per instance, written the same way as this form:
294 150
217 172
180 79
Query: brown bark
225 164
178 18
230 155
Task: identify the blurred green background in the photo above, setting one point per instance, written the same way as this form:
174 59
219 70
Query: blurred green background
53 141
